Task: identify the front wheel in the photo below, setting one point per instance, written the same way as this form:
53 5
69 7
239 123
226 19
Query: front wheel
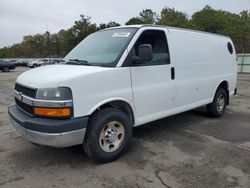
218 106
108 135
6 69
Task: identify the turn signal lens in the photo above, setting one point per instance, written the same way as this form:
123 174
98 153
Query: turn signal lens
52 112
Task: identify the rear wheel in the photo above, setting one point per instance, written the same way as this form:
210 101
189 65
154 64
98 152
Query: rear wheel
6 69
35 65
218 106
108 135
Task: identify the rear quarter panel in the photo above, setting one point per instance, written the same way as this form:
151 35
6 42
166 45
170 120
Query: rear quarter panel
201 61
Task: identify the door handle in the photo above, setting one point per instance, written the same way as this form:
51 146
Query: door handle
172 73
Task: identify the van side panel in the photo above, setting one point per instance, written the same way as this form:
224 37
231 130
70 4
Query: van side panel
202 61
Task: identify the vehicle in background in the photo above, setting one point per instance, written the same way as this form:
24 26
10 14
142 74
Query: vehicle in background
53 61
61 61
6 66
21 63
37 63
12 60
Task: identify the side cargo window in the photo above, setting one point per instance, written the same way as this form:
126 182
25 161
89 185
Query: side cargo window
157 39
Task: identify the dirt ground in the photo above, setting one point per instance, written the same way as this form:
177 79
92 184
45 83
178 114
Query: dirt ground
186 150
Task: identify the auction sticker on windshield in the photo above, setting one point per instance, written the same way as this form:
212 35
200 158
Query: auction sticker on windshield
121 34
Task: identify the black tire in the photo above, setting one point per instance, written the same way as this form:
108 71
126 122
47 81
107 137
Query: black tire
6 69
218 106
93 143
35 65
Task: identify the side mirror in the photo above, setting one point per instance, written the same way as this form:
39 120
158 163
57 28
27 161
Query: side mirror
145 54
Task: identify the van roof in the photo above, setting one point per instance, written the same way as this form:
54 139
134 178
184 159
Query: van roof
168 27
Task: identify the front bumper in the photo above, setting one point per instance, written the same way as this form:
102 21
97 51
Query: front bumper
49 132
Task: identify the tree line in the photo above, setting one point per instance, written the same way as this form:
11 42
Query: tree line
236 26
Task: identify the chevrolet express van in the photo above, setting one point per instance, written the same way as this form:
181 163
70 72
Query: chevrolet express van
119 78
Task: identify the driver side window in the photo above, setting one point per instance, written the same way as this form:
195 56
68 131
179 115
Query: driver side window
157 39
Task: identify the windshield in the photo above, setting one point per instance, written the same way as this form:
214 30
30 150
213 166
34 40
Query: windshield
102 48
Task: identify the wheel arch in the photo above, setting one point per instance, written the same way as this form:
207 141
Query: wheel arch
119 103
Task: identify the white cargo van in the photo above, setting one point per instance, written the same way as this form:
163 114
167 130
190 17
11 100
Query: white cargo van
119 78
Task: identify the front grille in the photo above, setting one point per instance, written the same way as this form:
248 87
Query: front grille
30 92
25 107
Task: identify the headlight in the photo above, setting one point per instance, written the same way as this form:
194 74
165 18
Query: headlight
56 103
61 93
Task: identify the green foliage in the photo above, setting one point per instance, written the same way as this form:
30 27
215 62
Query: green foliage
242 32
236 26
146 16
172 17
211 20
4 52
108 25
134 21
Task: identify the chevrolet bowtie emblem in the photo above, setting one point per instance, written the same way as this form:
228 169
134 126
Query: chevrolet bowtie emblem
19 97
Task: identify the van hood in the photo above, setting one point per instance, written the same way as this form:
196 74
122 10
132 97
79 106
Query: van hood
53 75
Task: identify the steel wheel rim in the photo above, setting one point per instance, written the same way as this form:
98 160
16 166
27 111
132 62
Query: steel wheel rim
220 103
112 136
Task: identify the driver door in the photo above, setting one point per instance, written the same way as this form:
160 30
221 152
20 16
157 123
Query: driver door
153 82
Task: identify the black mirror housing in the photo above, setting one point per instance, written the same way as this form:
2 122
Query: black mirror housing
145 54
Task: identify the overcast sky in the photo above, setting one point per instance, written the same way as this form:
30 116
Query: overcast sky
24 17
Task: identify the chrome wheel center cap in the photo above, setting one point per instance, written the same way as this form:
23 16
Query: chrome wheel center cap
111 135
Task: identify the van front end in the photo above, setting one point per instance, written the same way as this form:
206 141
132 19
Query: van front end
46 117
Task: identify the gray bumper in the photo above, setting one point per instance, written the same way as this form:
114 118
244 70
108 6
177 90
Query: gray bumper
48 132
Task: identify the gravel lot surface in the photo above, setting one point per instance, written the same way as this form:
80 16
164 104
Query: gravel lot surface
185 150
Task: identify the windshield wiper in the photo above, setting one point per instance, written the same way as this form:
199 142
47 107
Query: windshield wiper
78 62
